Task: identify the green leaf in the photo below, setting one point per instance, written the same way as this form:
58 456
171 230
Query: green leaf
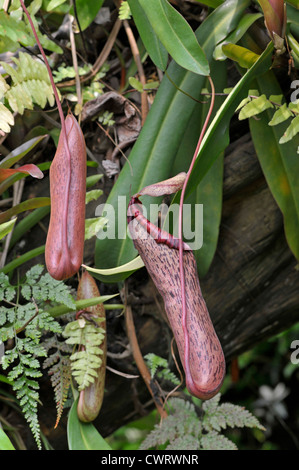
153 155
6 118
237 34
87 11
243 56
79 305
6 228
5 443
83 436
136 84
153 45
24 206
279 163
93 195
93 226
176 35
217 135
54 4
281 114
118 273
291 131
211 3
209 191
254 107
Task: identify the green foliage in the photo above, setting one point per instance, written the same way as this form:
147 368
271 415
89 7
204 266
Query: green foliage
24 325
30 84
15 29
255 104
124 11
155 362
59 369
87 337
186 429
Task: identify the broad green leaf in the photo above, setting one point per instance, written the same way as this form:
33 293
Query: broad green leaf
237 34
6 228
83 436
209 191
24 206
254 107
176 35
153 45
217 135
291 131
5 443
87 11
243 56
280 164
211 3
152 157
281 114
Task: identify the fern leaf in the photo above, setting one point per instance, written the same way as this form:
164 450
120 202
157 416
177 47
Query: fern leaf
89 338
254 107
187 442
291 131
281 114
6 119
30 84
155 362
59 369
215 441
124 11
44 287
227 415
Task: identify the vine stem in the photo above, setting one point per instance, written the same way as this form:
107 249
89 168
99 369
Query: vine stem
181 262
63 126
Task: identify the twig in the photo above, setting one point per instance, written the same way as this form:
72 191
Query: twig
144 372
75 63
136 55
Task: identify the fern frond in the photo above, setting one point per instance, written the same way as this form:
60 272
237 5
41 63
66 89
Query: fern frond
215 441
155 362
184 429
229 415
30 85
59 366
40 287
124 11
89 339
32 320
